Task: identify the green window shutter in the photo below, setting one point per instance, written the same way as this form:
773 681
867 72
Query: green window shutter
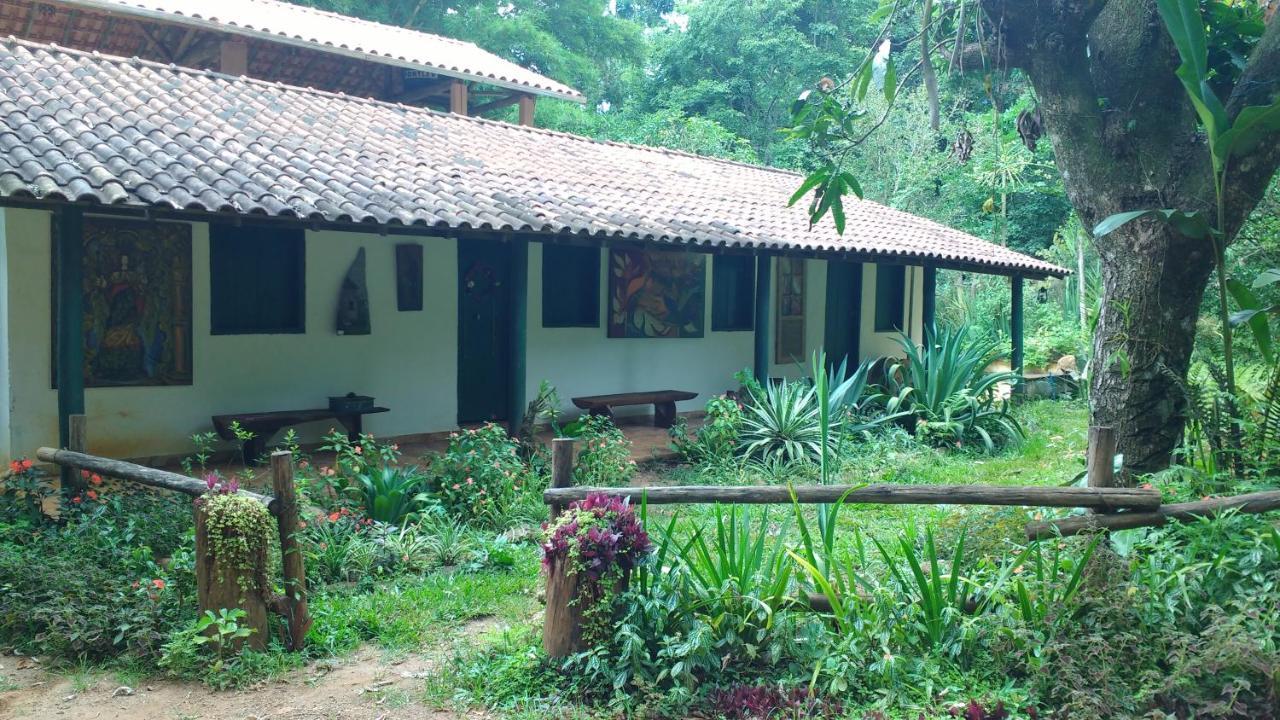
570 286
257 280
733 289
891 285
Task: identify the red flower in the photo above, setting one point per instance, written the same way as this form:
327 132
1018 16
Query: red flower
158 583
333 517
92 495
84 474
96 479
15 467
26 464
76 500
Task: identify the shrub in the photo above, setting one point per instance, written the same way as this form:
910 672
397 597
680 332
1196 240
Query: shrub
23 491
783 422
338 547
605 457
93 588
478 474
718 437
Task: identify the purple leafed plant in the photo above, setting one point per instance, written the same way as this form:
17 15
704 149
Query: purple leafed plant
599 535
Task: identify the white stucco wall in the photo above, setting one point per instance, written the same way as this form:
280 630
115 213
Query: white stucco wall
6 323
408 363
874 344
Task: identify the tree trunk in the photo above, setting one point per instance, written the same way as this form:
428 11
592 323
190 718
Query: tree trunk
1126 138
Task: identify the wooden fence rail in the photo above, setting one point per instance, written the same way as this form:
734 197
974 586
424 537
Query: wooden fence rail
151 477
219 586
1250 503
1102 499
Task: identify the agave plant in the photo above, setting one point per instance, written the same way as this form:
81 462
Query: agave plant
783 420
391 494
945 385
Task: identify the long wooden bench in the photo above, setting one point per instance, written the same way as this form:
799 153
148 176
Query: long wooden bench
264 425
663 401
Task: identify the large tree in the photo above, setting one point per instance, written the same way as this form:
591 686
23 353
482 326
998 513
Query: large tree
1126 137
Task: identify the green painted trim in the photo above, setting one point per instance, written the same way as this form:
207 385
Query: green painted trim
1015 323
518 278
69 286
764 279
929 299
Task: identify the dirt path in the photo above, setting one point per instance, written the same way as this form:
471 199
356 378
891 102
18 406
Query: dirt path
363 686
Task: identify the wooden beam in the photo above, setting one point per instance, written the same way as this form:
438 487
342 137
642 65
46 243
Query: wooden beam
561 468
1102 453
294 601
527 105
233 57
1258 502
140 474
878 494
458 97
69 364
435 88
498 104
764 276
518 282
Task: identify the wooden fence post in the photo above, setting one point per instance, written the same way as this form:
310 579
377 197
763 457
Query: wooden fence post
562 619
77 441
220 585
294 603
1102 453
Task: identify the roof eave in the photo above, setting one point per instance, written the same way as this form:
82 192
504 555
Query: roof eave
112 8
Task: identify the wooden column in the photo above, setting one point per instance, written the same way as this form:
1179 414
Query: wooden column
294 603
458 97
518 278
764 277
1015 327
233 57
69 365
929 299
527 104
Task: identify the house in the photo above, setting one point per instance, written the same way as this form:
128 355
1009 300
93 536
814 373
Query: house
179 243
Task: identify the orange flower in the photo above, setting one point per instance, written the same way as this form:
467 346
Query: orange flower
26 464
92 495
76 500
333 517
158 583
15 467
96 479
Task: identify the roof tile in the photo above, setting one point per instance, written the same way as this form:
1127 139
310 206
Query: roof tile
152 135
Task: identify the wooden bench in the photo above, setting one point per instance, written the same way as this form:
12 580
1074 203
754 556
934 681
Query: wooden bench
266 424
663 401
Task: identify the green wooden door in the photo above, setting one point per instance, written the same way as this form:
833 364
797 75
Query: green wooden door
483 330
844 312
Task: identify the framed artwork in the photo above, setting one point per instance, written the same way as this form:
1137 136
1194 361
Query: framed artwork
408 277
656 293
790 346
137 303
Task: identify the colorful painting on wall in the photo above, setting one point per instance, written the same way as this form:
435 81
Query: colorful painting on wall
656 293
137 303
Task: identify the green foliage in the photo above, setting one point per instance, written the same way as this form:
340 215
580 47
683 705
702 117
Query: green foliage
23 492
206 647
605 455
783 422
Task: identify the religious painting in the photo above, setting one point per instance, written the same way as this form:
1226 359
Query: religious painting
656 293
137 303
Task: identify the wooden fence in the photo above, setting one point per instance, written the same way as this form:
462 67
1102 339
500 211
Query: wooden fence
1111 508
220 585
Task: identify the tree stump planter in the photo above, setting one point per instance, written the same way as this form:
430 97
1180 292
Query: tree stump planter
230 582
569 602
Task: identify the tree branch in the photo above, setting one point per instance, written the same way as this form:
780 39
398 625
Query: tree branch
1259 84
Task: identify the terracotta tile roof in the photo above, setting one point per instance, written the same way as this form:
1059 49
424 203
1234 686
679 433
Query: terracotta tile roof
83 127
284 22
